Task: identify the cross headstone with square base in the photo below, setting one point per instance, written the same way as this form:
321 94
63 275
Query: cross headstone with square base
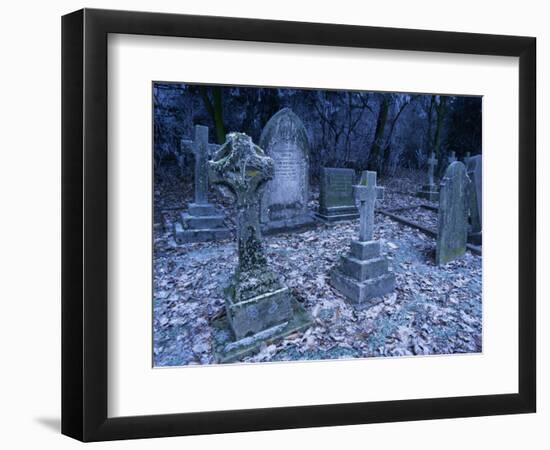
363 275
453 214
429 190
258 305
202 221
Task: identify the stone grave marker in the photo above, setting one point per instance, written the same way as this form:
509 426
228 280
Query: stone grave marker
336 201
284 204
363 274
453 214
429 190
202 221
474 169
452 157
259 307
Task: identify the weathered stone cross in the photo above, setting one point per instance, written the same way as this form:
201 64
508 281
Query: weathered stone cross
452 157
243 167
432 162
202 150
366 193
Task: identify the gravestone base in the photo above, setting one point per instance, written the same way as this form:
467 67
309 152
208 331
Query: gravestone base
337 214
302 222
363 275
474 238
429 192
228 349
201 223
366 292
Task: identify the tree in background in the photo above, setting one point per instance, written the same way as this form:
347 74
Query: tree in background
359 130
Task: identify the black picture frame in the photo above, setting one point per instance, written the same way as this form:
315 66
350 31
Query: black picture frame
84 224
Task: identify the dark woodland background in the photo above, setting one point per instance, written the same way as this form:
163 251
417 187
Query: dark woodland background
378 131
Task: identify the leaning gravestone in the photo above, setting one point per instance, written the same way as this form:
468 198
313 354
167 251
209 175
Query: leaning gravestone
474 169
453 214
202 221
336 201
284 204
429 190
259 307
363 274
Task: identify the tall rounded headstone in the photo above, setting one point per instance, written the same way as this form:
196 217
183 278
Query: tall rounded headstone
284 203
453 214
474 169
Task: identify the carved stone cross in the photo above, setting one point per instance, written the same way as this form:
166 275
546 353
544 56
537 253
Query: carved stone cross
243 167
202 150
452 157
432 162
366 193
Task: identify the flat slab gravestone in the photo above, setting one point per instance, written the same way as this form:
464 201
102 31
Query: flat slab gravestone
453 214
259 307
284 203
202 221
474 169
429 190
363 275
336 199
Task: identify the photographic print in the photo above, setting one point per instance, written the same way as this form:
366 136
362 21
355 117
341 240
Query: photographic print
312 224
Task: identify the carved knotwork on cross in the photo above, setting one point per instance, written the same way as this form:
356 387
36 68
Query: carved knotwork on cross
244 168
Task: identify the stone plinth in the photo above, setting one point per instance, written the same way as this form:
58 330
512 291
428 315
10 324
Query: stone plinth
429 192
199 224
363 274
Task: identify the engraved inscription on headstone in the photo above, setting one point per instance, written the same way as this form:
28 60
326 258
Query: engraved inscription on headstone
285 201
336 201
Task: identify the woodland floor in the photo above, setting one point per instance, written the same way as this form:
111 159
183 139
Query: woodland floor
433 310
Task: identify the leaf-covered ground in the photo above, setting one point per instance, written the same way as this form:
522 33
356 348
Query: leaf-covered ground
434 310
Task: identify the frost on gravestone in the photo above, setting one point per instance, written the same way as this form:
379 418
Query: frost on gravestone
284 204
474 167
453 214
363 275
258 305
202 221
336 201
